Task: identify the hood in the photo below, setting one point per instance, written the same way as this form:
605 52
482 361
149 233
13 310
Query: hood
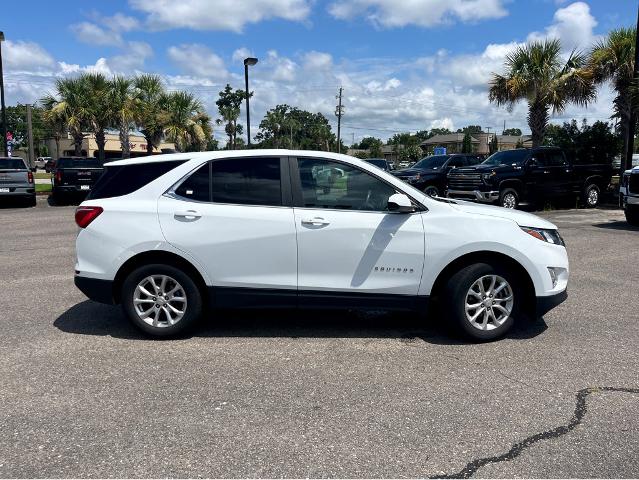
409 172
481 168
523 219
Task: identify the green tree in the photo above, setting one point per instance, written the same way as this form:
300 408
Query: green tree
99 110
512 131
150 116
17 125
472 129
493 146
123 108
229 104
68 104
537 74
612 59
187 125
285 126
438 131
467 146
375 149
585 143
411 154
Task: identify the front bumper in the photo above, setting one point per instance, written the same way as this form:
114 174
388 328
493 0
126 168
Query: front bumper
545 304
477 195
626 200
95 289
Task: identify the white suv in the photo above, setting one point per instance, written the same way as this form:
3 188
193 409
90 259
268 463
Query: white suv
170 235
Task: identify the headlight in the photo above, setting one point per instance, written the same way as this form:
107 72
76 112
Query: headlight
487 177
414 178
550 236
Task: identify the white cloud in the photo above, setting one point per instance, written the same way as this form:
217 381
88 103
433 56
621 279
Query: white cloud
132 58
282 69
317 60
241 53
445 122
219 14
93 34
573 25
26 56
423 13
121 22
198 60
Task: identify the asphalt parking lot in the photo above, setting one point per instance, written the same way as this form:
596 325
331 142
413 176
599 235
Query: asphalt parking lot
83 394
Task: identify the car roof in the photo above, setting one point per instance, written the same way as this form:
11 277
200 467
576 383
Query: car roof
233 154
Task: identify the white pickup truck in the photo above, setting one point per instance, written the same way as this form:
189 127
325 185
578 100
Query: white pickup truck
629 195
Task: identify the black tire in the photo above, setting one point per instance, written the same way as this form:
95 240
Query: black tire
632 216
32 201
454 304
58 198
509 198
192 311
431 190
591 196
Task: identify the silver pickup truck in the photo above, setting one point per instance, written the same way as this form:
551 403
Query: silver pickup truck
16 180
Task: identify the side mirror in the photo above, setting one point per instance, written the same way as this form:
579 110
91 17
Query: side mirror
400 203
34 169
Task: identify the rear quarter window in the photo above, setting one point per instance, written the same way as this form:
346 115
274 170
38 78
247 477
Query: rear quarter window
120 180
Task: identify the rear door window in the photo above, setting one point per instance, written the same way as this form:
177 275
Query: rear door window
247 181
120 180
197 186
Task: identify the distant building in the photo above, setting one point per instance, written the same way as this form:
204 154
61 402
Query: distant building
480 142
113 148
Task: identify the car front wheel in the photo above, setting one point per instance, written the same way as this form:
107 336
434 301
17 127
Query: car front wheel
592 195
482 301
508 198
431 191
161 300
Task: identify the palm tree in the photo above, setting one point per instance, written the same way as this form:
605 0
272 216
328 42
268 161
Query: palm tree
54 121
152 119
613 59
123 107
99 108
537 73
68 105
186 121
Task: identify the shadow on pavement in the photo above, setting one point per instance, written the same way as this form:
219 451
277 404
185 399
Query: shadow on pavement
90 318
617 225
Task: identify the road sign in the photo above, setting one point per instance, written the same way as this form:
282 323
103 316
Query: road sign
440 150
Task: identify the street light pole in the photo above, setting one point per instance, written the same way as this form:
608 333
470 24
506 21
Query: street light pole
4 109
250 61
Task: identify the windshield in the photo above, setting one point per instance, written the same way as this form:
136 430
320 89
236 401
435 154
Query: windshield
508 157
78 163
432 162
378 162
12 164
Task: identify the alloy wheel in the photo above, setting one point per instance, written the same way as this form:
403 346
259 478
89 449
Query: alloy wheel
593 197
159 301
509 201
489 302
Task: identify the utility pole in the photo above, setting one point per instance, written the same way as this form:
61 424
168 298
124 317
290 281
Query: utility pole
339 111
630 143
30 133
4 110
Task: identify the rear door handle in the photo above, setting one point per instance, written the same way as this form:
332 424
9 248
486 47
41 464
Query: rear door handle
317 221
188 215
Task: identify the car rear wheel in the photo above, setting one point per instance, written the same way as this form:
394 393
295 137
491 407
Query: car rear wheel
508 198
482 301
161 300
632 216
591 196
431 191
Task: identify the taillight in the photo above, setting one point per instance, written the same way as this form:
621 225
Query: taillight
30 175
58 176
85 215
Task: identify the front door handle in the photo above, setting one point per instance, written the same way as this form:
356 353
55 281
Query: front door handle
315 221
546 171
189 215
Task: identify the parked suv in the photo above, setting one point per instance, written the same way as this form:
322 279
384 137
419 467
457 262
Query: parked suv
629 195
16 179
429 173
532 175
167 235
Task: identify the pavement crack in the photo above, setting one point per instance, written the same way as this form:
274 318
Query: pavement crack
581 407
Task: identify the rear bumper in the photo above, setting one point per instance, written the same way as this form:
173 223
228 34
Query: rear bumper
477 195
18 191
546 304
95 289
70 189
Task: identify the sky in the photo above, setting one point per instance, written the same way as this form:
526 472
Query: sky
404 65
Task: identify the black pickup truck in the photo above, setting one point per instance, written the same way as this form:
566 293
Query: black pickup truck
73 177
429 173
531 175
